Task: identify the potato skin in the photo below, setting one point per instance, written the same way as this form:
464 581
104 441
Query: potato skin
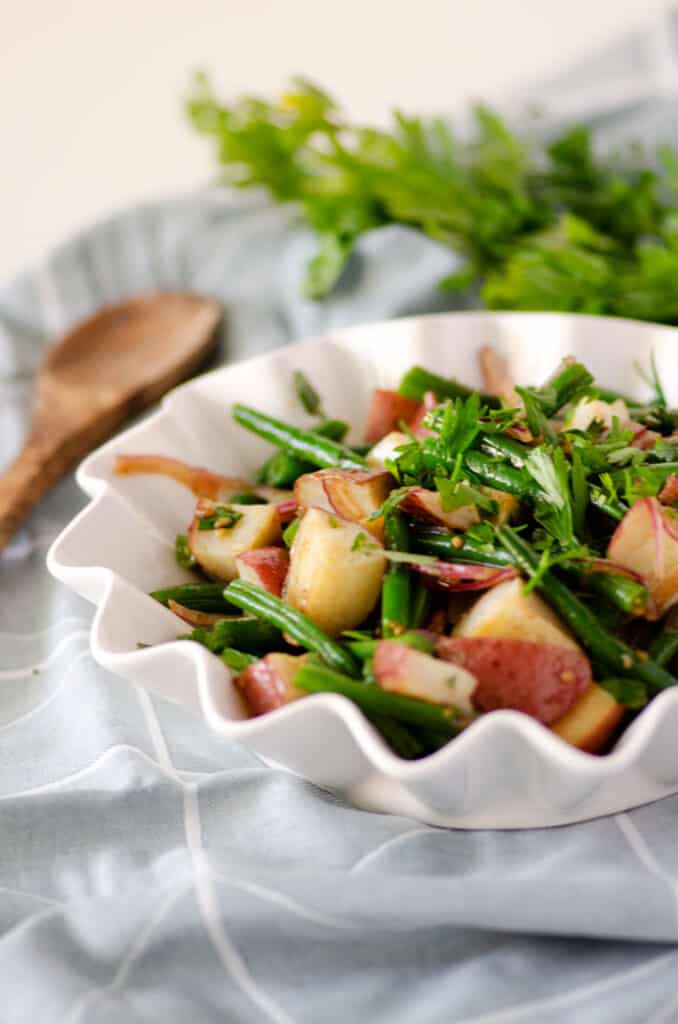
401 669
646 541
352 494
541 680
269 683
266 567
507 612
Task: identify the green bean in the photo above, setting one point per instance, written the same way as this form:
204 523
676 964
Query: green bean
298 626
664 647
630 595
418 381
182 552
502 447
421 601
375 701
632 693
500 476
237 661
605 648
604 502
396 589
457 547
247 634
282 469
203 597
626 593
402 740
365 649
308 445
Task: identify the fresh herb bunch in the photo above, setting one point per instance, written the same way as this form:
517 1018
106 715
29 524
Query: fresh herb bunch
539 226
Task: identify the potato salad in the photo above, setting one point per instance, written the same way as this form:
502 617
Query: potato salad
513 548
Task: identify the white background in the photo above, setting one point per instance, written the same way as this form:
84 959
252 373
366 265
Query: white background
90 104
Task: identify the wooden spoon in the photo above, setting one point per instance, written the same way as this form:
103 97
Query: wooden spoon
103 371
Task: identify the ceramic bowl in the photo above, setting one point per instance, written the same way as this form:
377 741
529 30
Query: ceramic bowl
506 770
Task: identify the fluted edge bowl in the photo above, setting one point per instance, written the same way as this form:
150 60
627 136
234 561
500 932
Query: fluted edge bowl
504 771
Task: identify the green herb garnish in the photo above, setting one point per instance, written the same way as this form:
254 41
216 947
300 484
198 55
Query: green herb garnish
222 517
182 552
307 394
538 225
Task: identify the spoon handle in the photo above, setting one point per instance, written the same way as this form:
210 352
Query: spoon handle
39 465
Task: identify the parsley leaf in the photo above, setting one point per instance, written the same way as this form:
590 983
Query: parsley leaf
553 507
307 394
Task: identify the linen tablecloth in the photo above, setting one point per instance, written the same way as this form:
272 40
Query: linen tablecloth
151 872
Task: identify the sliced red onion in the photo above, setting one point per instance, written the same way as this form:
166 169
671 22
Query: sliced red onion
465 576
287 510
653 508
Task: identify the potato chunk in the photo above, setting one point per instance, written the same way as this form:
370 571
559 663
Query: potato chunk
335 574
507 611
403 670
256 526
591 721
269 682
387 448
352 494
646 541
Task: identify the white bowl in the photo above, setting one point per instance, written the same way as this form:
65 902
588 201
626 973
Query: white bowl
505 771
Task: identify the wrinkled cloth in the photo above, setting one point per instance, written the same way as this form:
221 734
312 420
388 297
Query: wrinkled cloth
152 872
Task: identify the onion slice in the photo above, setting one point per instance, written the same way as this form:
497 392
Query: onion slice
202 482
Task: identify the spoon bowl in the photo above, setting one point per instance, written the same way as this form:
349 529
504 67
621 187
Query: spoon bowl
104 370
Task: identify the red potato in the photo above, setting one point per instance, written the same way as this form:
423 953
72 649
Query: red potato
386 449
351 494
387 410
428 506
202 482
507 611
216 550
541 680
646 541
266 567
401 669
269 683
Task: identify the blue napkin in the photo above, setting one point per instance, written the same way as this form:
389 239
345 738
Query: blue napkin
151 872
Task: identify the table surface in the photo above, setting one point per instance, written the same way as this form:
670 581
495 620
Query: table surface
91 113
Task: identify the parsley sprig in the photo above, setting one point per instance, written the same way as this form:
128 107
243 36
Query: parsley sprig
538 226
